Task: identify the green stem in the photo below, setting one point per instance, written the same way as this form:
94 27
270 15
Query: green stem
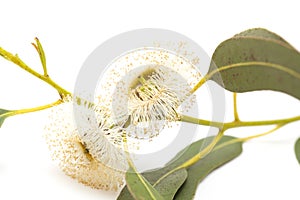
126 150
133 168
235 124
30 110
245 139
235 111
204 122
16 60
204 152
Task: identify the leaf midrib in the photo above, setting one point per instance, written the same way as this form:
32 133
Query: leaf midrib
142 181
148 189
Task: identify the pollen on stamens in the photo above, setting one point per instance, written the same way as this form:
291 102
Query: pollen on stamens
72 155
149 86
150 102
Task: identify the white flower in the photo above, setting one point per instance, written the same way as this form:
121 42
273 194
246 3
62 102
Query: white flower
148 87
92 156
101 137
150 102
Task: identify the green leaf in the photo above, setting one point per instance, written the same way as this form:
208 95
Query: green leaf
167 187
257 59
140 188
3 115
196 173
297 150
205 166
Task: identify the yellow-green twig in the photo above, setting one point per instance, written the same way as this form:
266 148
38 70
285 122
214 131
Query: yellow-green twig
204 152
245 139
236 124
16 60
30 110
235 111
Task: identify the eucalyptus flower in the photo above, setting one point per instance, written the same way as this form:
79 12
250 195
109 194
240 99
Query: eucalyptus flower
146 89
151 101
86 151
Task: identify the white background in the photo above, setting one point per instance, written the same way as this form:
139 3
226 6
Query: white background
70 30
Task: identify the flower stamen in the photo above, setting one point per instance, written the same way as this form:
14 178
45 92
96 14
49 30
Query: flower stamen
151 101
